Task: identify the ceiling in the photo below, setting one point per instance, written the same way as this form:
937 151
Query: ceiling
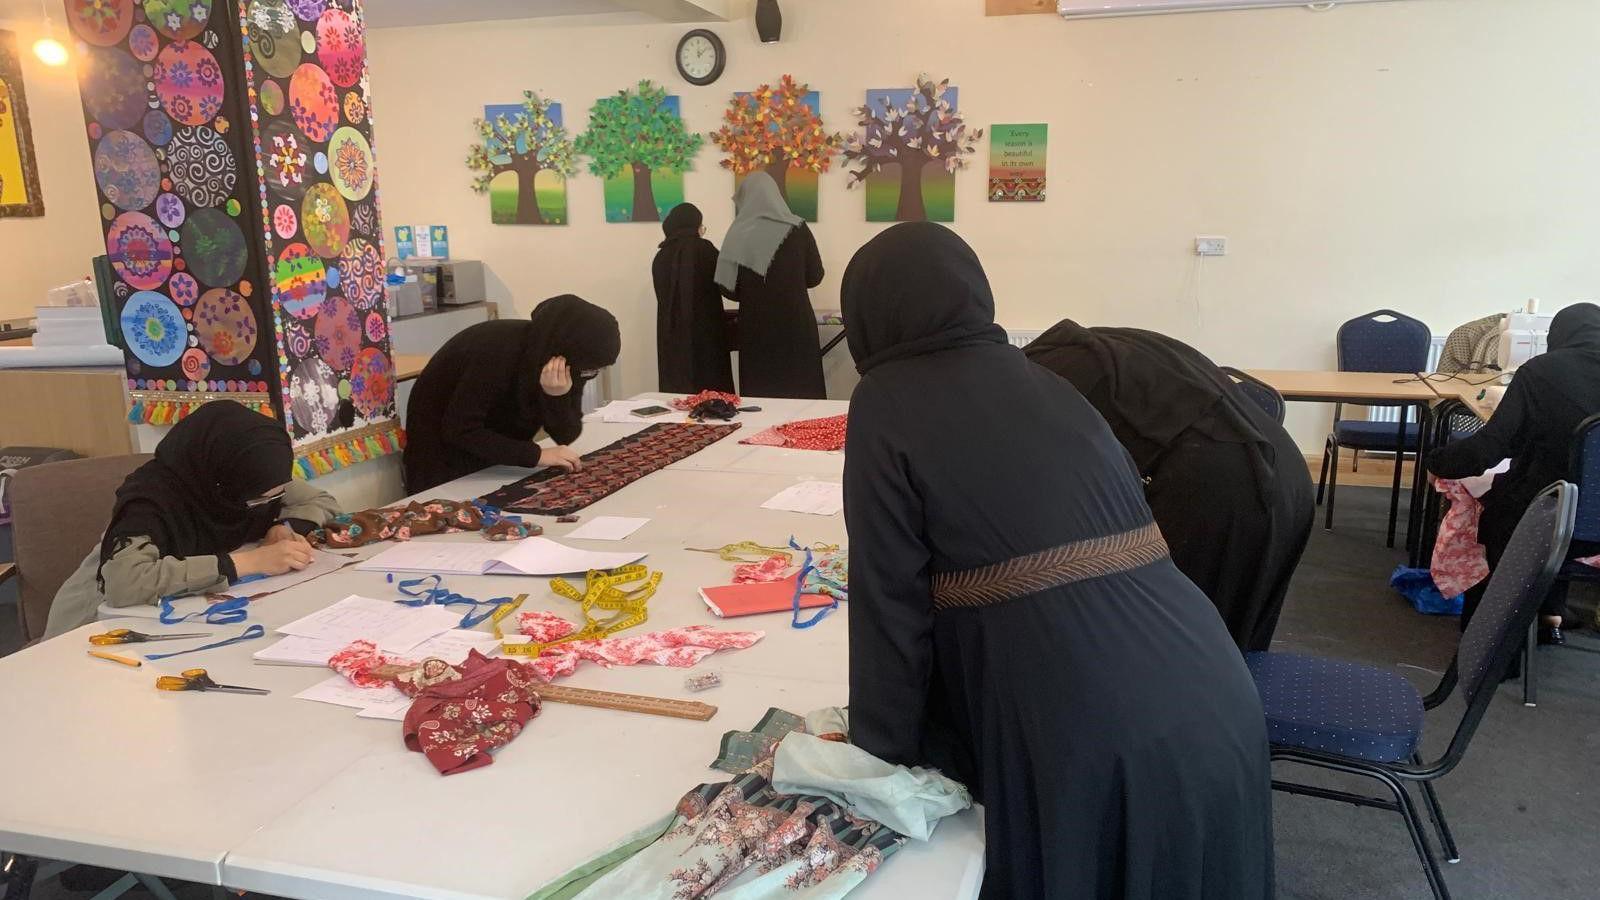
395 13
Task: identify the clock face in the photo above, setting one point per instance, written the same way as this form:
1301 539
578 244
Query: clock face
697 57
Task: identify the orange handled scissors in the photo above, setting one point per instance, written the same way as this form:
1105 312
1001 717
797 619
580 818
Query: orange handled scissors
198 680
126 636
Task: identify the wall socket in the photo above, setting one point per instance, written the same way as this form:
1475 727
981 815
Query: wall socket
1210 245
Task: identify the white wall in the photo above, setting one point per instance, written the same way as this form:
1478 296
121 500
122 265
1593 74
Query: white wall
1435 156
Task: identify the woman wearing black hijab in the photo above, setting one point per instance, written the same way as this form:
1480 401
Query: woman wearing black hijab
691 340
485 395
1018 624
221 478
1226 483
1533 426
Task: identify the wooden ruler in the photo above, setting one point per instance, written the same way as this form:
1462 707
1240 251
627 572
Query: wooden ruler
639 703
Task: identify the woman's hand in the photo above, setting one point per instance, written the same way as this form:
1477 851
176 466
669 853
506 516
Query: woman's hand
282 532
556 378
561 457
272 559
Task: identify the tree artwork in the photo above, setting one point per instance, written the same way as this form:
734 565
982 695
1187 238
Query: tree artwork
921 134
639 133
523 141
776 130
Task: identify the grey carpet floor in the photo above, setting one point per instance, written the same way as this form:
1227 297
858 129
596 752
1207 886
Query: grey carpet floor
1522 802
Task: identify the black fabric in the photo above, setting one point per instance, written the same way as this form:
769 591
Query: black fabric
1533 426
778 351
1227 484
1109 726
191 499
691 339
479 403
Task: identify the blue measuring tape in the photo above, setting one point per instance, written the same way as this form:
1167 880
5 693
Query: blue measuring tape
249 634
231 611
800 585
423 593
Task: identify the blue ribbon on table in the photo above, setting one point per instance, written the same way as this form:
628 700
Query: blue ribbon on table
249 634
800 585
230 611
430 589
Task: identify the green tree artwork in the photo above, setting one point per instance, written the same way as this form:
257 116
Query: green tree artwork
523 142
639 133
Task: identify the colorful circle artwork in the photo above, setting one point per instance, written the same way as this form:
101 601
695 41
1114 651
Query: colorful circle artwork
157 127
201 166
340 47
321 163
377 329
272 97
233 207
325 219
126 169
338 333
143 43
226 326
214 247
274 37
287 165
362 271
313 103
297 337
308 42
169 209
308 10
334 277
301 280
153 329
284 221
113 89
364 219
178 19
183 289
108 212
352 163
139 251
253 367
313 396
195 364
372 383
102 23
355 109
189 83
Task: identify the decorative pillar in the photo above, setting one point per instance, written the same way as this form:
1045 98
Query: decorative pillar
232 147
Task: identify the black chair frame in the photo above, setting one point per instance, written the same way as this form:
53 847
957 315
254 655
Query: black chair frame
1245 378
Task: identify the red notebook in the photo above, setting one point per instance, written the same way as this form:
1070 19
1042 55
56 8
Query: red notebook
731 600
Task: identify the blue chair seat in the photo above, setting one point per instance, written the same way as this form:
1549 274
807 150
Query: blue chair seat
1336 706
1358 434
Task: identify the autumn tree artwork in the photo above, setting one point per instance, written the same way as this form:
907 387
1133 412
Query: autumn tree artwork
907 151
637 143
522 161
779 130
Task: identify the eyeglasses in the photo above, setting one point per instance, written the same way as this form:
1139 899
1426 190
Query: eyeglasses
263 501
588 373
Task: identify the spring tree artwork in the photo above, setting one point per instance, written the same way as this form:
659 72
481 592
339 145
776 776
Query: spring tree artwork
910 145
779 130
637 143
522 161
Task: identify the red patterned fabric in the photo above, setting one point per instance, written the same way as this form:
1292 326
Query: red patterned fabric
677 647
774 568
1459 561
360 661
402 523
456 723
544 626
806 434
684 404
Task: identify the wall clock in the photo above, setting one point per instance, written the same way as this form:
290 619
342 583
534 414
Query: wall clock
701 57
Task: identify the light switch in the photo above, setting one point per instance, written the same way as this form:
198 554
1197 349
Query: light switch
1210 246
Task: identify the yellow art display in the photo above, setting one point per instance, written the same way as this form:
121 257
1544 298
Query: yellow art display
19 177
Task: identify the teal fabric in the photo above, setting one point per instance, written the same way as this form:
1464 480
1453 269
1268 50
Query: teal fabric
578 879
761 222
910 801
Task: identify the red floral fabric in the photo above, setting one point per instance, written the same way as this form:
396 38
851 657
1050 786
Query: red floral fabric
774 568
677 647
360 661
684 404
1459 561
544 626
806 434
456 723
402 523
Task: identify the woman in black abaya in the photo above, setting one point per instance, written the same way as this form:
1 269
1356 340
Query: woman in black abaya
691 341
483 398
1226 483
1017 623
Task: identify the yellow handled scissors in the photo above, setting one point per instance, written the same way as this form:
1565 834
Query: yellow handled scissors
198 680
127 636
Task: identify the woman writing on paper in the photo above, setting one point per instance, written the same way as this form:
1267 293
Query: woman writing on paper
484 397
222 478
691 340
767 262
1019 624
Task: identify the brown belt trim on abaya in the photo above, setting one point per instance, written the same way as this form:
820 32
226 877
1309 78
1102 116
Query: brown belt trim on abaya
1024 575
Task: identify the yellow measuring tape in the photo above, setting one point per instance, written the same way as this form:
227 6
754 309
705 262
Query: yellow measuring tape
743 550
603 591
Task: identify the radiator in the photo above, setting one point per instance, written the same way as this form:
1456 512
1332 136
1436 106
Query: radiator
1392 413
1021 338
597 391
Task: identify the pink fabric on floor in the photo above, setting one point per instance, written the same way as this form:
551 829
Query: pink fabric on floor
1459 561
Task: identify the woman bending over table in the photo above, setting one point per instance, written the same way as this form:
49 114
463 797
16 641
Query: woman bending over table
483 398
221 478
1017 622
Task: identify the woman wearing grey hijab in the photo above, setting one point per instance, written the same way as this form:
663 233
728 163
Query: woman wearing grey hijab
768 261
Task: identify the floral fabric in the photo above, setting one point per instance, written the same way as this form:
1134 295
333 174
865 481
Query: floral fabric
677 647
1459 561
456 722
684 404
806 434
773 568
402 523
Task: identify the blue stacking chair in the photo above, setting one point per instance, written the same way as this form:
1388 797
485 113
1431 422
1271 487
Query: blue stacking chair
1381 341
1363 720
1259 392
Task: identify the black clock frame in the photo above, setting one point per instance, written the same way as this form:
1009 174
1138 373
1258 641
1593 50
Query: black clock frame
717 45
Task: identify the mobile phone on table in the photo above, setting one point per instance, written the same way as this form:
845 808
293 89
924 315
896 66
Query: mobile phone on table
646 412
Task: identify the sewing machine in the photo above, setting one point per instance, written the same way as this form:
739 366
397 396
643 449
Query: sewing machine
1523 335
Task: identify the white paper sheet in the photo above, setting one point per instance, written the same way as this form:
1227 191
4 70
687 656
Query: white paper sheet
542 556
322 563
607 528
393 627
392 710
620 412
817 498
297 651
532 556
452 646
340 691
